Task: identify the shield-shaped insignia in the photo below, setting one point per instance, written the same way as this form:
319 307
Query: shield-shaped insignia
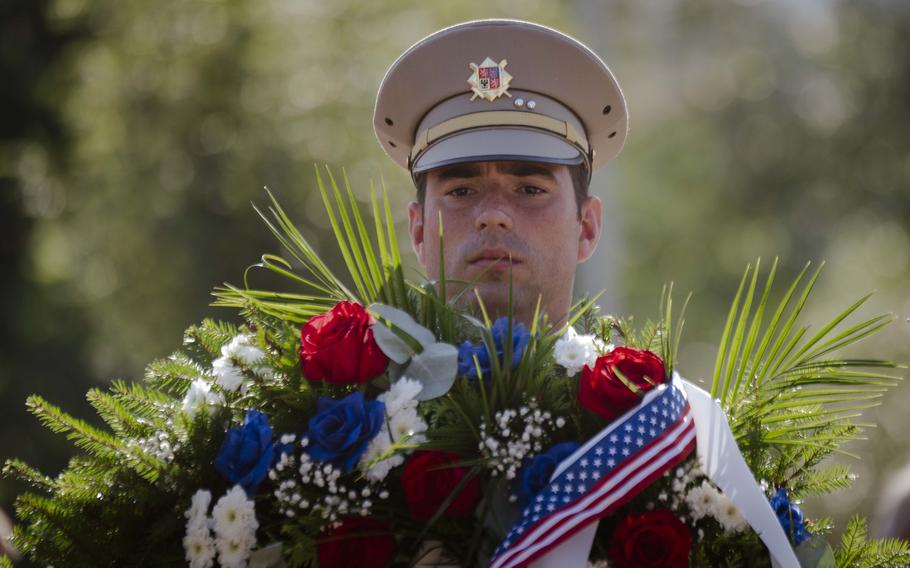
489 80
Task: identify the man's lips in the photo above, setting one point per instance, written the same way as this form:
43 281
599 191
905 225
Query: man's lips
494 257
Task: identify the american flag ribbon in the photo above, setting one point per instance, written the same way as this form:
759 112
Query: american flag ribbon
604 474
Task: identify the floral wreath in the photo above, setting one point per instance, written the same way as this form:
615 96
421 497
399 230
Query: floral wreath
388 425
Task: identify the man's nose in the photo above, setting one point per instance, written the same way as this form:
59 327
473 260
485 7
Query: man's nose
493 215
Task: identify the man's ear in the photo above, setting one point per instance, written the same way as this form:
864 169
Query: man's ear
415 229
591 216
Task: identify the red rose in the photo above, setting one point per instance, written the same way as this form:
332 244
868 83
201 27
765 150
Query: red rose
651 540
338 346
359 541
429 478
604 393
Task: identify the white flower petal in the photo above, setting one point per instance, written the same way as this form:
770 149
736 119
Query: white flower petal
702 500
200 395
228 375
242 348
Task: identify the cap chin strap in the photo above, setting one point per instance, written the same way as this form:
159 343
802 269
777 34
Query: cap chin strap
495 118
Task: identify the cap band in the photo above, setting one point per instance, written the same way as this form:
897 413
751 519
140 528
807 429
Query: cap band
485 119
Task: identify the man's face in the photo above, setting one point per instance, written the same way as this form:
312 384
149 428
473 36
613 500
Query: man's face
498 216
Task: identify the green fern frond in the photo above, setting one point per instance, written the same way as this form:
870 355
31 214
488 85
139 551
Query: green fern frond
857 551
51 535
203 342
141 400
23 472
822 481
118 416
175 374
98 443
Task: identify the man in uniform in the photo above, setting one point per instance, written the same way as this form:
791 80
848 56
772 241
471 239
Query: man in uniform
501 124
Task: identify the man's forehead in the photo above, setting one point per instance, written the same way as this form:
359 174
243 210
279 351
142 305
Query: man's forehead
509 168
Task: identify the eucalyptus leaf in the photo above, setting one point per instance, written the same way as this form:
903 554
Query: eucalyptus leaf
501 514
268 557
815 553
435 369
394 347
405 323
474 321
395 371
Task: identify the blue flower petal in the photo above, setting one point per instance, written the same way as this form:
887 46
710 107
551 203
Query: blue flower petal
790 517
340 431
246 452
535 474
467 351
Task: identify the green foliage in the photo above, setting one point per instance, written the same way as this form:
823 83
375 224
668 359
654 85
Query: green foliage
857 551
789 402
115 490
805 122
374 283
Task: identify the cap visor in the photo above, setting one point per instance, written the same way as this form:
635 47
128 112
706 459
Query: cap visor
498 144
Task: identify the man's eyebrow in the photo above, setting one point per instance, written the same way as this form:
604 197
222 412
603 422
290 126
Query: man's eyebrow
526 169
461 171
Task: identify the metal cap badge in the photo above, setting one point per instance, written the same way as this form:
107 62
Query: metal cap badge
490 80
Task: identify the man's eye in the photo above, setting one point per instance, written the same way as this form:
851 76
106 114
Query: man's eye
532 190
460 192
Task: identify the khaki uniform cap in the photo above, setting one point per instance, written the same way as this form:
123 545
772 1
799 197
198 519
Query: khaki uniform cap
499 90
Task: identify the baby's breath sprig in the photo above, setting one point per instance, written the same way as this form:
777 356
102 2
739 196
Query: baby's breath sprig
515 436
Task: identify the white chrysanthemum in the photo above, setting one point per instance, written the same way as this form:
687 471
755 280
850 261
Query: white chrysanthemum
228 375
701 500
380 444
234 514
574 351
242 349
199 396
728 515
200 549
407 426
199 506
381 469
234 551
400 395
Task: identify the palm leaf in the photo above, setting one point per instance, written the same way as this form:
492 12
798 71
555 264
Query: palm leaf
374 269
782 389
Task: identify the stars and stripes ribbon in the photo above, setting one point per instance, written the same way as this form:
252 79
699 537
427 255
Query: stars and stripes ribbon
601 476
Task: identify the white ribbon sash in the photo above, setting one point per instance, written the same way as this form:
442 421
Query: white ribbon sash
724 465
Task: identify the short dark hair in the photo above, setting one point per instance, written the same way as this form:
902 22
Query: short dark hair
578 173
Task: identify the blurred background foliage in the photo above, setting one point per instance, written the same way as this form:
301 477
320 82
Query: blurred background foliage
134 135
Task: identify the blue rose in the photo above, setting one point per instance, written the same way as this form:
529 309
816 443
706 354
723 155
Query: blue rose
340 431
789 516
535 475
246 453
467 350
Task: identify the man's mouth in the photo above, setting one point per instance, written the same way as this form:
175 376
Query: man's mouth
494 258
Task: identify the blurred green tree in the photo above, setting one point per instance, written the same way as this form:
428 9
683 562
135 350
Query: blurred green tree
41 329
765 129
173 115
145 129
